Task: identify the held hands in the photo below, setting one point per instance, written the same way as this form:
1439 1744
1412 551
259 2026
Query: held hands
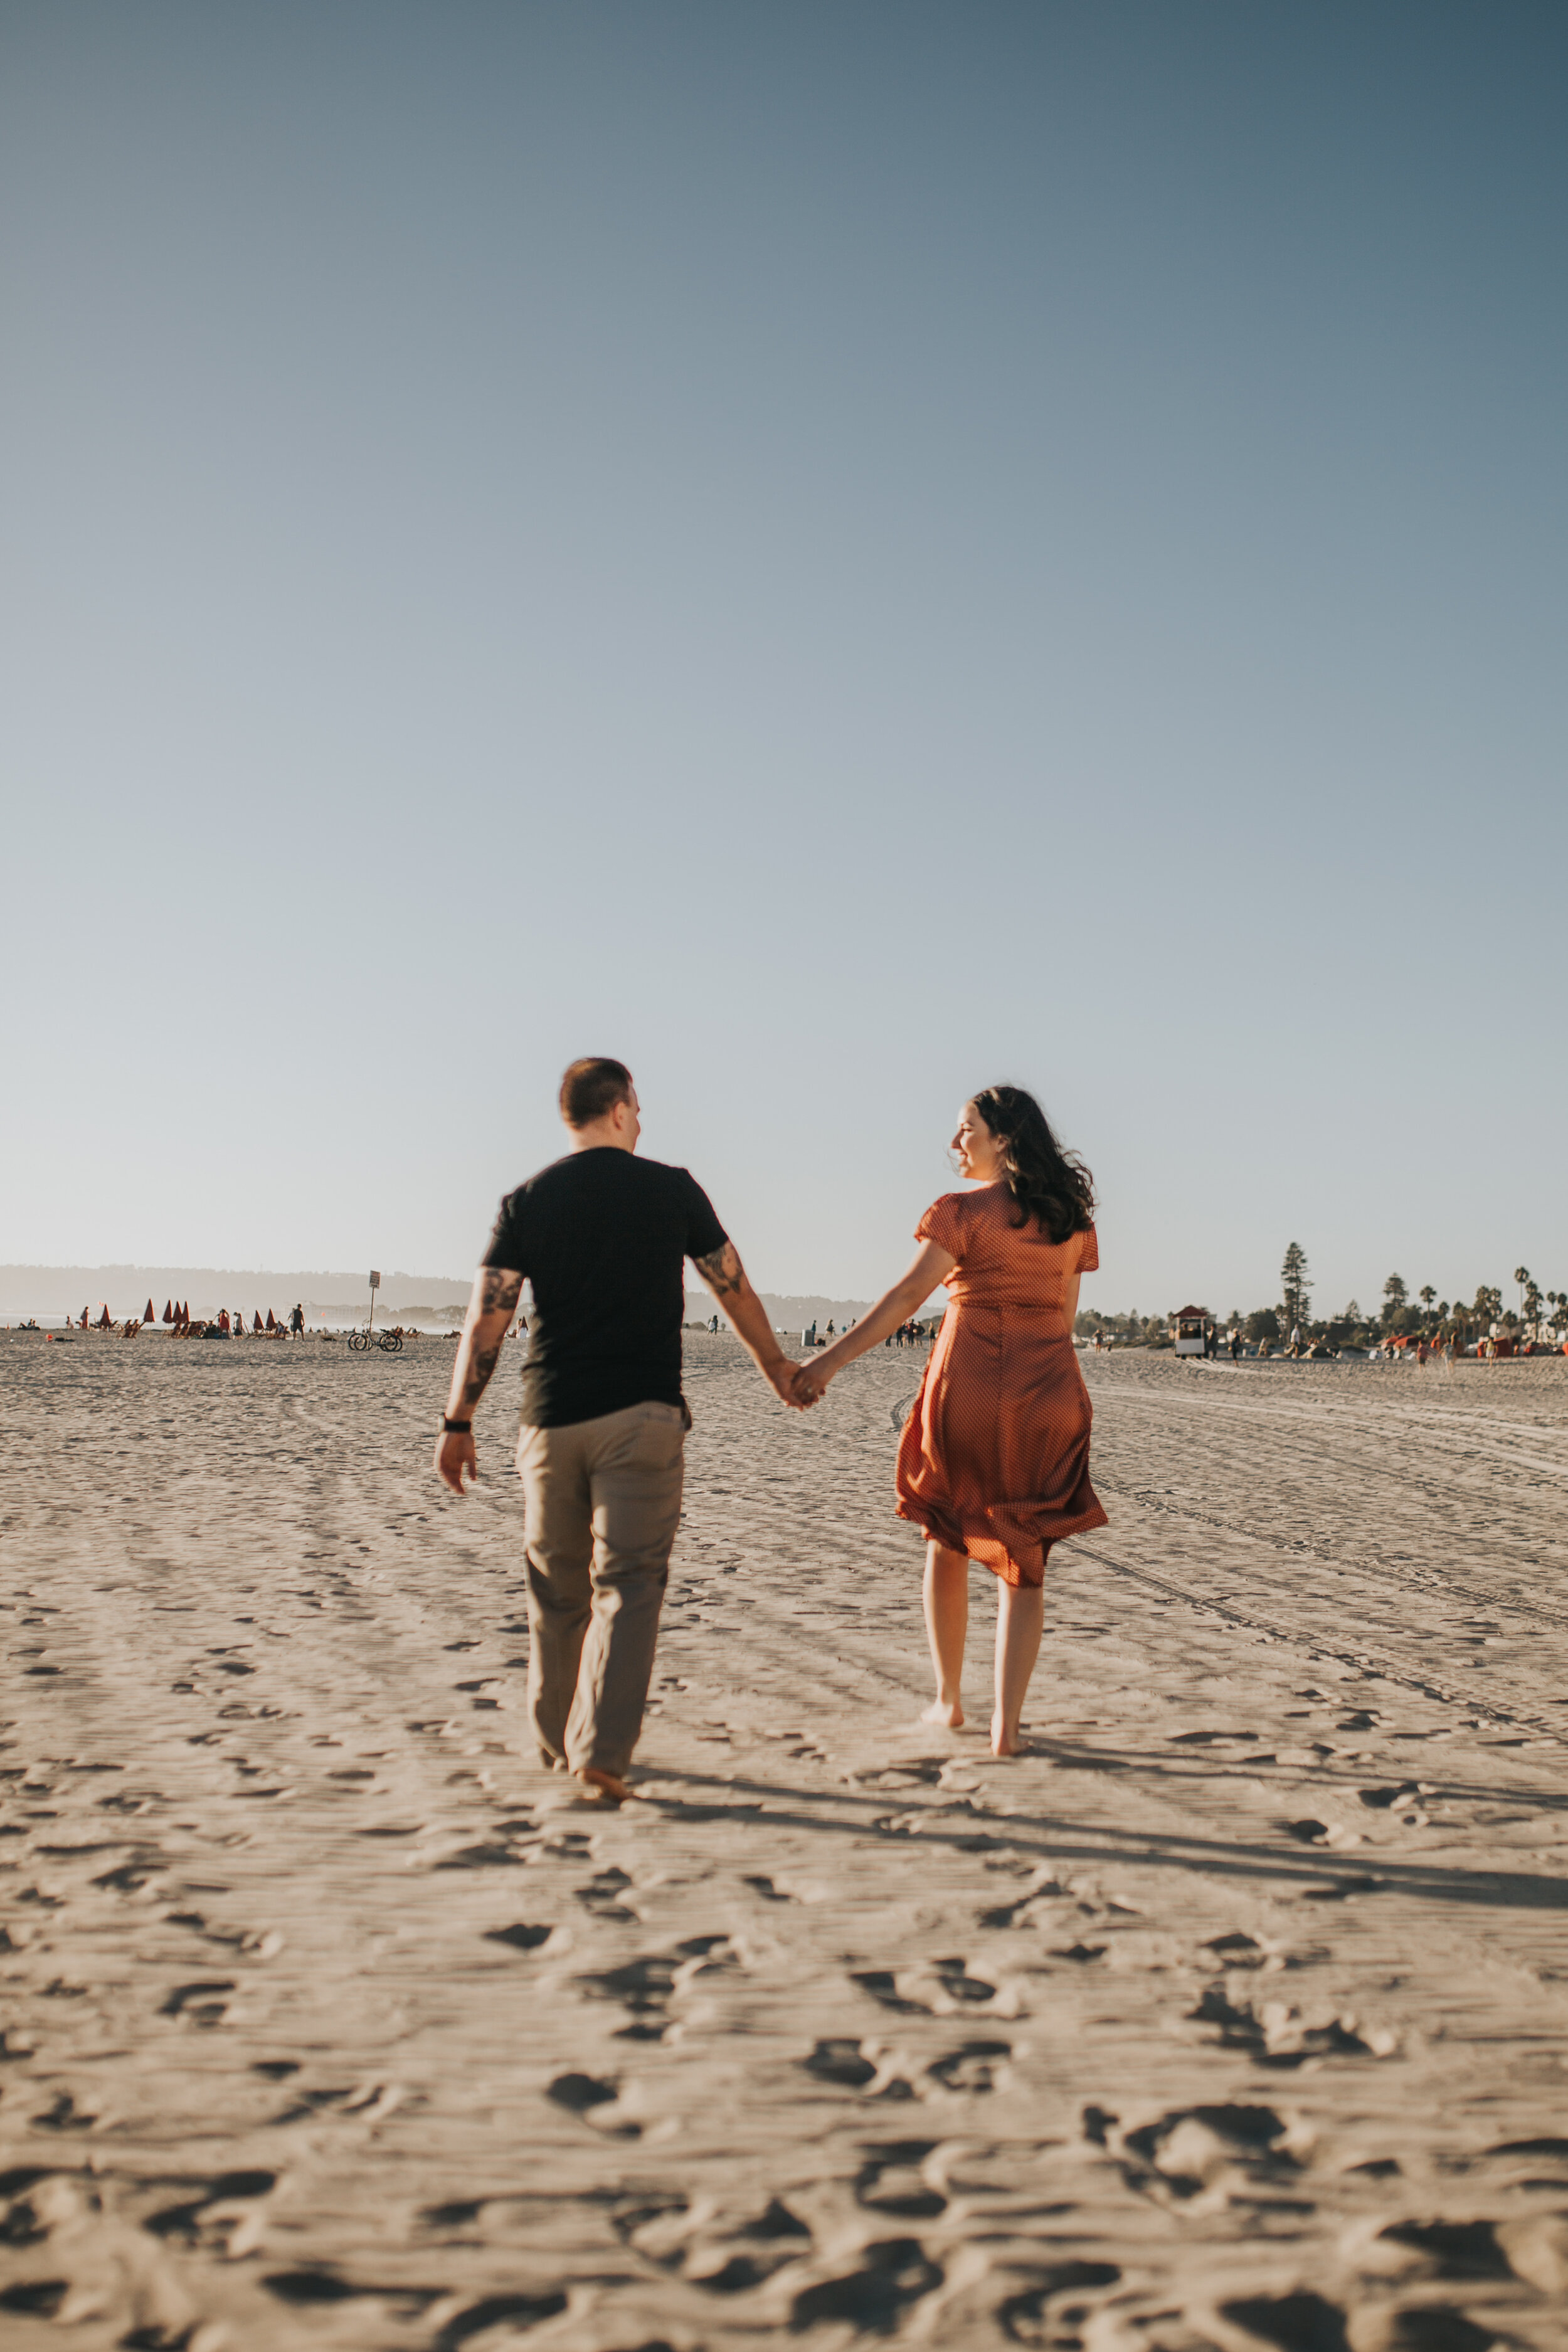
810 1379
781 1380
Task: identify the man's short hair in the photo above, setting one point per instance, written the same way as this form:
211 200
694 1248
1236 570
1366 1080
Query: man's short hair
593 1087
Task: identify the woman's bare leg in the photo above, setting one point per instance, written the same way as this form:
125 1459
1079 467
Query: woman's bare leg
1020 1615
946 1597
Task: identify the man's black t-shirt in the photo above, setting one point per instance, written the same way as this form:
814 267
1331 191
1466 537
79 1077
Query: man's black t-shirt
603 1237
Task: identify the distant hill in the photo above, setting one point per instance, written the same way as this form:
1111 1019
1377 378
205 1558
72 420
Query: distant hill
53 1291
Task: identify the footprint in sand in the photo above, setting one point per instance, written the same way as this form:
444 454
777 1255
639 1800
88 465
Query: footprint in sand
1279 2036
508 2310
890 2275
841 2060
935 1989
1451 2250
213 2217
972 2068
1302 2322
602 1893
1029 2317
583 2095
646 1987
521 1937
1190 2149
892 2181
203 2004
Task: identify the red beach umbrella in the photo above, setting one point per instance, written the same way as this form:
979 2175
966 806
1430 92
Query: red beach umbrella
270 1324
148 1317
104 1318
256 1325
168 1310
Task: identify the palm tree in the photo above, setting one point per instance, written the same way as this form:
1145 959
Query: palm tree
1522 1275
1427 1295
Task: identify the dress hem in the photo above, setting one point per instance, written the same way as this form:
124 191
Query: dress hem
942 1528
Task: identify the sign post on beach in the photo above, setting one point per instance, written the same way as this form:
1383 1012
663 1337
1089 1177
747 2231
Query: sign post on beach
374 1287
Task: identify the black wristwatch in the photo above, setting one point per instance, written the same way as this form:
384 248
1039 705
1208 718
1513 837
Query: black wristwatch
450 1428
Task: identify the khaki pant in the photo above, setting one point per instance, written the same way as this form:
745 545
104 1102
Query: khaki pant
603 1502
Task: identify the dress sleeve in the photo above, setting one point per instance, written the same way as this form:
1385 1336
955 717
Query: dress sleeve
1089 1252
943 1224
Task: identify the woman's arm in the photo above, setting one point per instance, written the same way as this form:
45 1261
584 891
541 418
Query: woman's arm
929 1266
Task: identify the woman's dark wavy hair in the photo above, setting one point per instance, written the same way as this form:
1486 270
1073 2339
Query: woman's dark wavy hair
1047 1183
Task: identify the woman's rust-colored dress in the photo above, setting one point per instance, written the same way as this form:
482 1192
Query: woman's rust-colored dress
993 1459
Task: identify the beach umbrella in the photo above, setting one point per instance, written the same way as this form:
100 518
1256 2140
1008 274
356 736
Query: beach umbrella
148 1317
168 1310
104 1318
270 1324
256 1325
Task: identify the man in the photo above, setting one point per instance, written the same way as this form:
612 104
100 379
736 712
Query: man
603 1237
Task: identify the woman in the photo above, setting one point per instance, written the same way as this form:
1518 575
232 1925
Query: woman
994 1461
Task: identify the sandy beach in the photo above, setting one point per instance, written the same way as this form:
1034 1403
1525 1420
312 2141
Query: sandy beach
1233 2015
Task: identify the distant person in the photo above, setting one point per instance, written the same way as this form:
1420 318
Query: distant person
993 1459
297 1323
603 1236
1235 1345
713 1324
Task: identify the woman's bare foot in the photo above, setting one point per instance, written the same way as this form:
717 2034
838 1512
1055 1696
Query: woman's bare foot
1006 1742
945 1711
603 1788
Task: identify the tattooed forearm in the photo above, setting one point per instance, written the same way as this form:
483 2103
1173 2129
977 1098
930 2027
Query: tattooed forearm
499 1288
482 1365
721 1270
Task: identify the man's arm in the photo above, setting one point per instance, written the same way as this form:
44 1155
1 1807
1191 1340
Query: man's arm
492 1306
726 1278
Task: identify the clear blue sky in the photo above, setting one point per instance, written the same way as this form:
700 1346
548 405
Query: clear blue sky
835 552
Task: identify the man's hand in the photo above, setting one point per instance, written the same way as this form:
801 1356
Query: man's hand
809 1381
490 1308
781 1378
454 1454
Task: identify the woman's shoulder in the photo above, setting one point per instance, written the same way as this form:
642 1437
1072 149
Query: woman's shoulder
945 1220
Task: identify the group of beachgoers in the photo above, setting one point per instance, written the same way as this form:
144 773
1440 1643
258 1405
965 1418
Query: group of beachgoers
993 1458
908 1335
183 1325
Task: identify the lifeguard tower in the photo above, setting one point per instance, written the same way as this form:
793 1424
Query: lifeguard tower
1188 1330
